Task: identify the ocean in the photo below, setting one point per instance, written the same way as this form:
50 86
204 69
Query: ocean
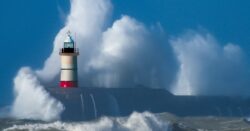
135 122
145 121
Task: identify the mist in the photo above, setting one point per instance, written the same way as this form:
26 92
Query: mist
207 67
31 99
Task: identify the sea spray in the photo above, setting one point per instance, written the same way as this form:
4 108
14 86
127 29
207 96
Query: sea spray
32 101
135 122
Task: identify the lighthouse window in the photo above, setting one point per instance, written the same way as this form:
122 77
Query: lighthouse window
68 45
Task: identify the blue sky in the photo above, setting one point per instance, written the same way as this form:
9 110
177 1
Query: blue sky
29 27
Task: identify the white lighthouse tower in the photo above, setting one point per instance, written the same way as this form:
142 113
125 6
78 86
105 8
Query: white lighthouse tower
69 55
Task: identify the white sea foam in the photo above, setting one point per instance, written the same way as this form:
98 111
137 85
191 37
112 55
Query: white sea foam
31 99
136 122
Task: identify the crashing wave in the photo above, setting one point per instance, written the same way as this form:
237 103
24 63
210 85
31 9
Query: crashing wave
135 122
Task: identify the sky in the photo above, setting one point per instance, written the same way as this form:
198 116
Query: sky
28 28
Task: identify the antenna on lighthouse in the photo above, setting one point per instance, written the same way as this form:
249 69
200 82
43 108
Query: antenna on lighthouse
75 39
68 33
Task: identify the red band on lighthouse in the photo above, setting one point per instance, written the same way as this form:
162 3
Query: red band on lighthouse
68 84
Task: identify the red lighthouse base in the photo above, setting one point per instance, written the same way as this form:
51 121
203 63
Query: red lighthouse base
68 84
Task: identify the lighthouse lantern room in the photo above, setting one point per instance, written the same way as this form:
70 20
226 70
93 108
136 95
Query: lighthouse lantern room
69 55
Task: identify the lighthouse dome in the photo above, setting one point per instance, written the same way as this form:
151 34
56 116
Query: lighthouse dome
69 39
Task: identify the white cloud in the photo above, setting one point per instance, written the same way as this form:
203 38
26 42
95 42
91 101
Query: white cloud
130 55
112 57
207 67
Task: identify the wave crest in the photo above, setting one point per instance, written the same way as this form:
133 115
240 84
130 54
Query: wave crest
135 122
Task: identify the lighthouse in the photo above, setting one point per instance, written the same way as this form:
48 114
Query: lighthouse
69 54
